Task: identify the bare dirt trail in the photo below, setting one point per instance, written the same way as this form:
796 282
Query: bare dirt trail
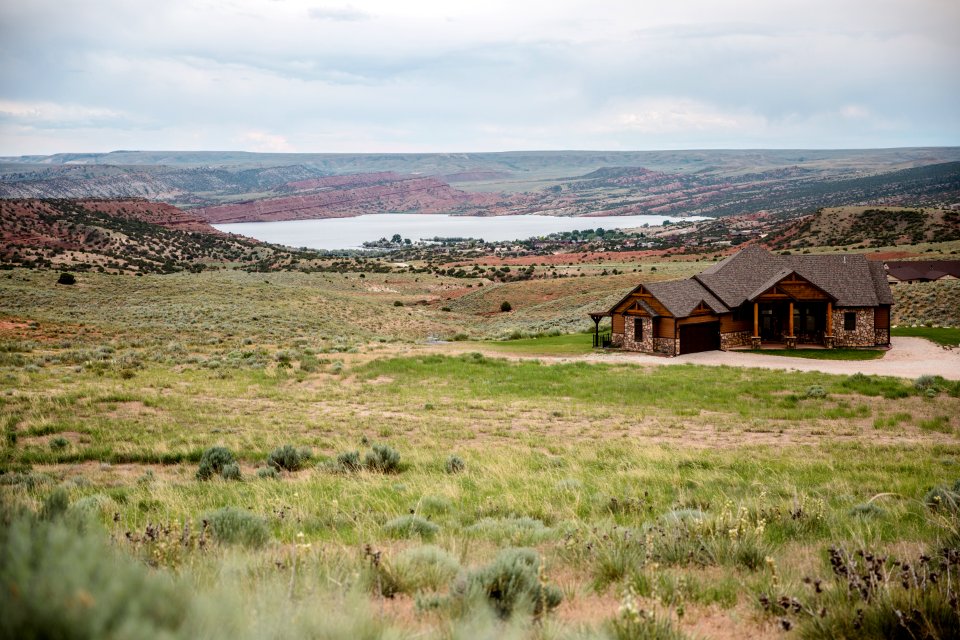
908 358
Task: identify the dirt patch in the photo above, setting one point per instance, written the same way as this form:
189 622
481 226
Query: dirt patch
131 409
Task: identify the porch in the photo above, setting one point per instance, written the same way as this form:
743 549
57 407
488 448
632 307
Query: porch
792 324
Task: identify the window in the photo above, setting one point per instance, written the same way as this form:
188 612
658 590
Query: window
638 329
849 321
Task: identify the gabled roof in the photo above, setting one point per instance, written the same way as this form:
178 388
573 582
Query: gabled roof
777 277
681 297
734 279
848 278
643 304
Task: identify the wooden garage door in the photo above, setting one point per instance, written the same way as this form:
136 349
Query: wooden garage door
699 337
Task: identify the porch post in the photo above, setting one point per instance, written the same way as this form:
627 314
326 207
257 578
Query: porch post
791 338
755 340
828 338
596 331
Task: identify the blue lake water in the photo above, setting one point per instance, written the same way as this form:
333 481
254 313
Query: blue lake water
351 233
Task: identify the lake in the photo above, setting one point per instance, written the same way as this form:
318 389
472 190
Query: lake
351 233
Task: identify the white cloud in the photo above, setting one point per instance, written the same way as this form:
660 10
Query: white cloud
374 75
337 14
675 115
266 142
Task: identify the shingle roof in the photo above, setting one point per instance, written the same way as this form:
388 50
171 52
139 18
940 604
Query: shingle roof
734 279
923 269
681 297
848 278
880 284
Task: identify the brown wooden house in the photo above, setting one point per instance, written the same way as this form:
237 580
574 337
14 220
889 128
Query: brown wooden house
756 297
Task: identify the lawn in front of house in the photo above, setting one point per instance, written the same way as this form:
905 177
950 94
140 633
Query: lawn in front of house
571 344
946 336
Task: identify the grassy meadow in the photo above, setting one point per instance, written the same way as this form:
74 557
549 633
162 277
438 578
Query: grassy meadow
432 493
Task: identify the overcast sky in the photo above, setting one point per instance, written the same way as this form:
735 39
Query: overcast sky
402 75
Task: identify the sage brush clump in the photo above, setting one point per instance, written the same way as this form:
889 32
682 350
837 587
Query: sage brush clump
408 526
514 582
213 461
63 581
454 464
237 526
382 458
288 458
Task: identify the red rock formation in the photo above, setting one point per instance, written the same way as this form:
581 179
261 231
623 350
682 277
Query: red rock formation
344 196
159 213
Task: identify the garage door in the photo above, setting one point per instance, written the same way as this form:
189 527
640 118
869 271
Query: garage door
699 337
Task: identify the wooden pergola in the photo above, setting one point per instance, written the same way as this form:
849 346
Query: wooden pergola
597 316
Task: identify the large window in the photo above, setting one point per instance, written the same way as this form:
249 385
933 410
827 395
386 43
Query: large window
849 321
638 329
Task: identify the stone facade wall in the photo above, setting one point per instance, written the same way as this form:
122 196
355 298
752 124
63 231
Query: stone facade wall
628 332
862 336
665 346
735 339
882 336
616 340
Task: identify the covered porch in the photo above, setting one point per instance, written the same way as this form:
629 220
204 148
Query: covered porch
792 313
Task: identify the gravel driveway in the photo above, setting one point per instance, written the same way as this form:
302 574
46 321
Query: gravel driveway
909 358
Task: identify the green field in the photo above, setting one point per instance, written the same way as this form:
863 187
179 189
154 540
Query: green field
571 344
528 500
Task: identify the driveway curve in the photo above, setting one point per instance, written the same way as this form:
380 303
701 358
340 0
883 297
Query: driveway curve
908 358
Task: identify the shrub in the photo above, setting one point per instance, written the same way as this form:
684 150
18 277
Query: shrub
67 278
231 472
942 499
237 526
268 473
383 459
454 464
288 458
816 391
425 567
56 504
407 526
348 461
70 583
59 443
213 461
433 505
522 530
635 623
505 306
512 582
867 510
925 383
93 506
